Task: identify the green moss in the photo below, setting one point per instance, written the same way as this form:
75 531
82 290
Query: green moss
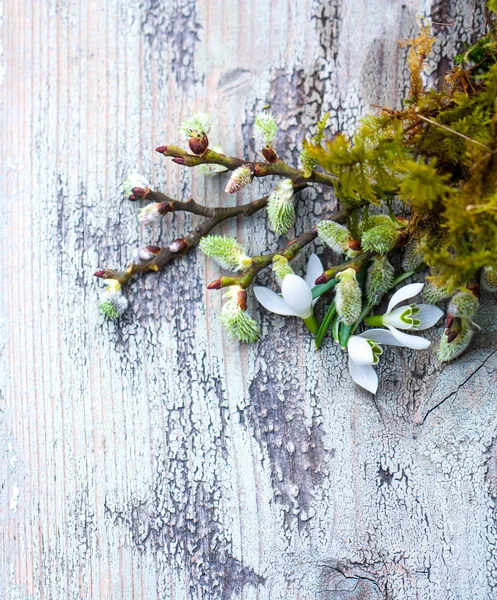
438 155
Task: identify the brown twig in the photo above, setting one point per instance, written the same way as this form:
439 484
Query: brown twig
259 169
261 262
181 246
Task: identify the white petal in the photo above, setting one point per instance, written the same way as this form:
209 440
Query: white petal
272 302
314 270
297 295
408 291
364 375
382 336
428 315
393 318
409 341
360 351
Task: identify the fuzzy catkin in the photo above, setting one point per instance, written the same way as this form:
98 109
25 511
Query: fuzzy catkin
450 350
348 297
379 279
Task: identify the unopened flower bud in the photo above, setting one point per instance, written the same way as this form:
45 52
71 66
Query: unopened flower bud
153 213
234 317
132 197
135 181
239 179
178 245
99 273
112 303
161 149
335 236
241 299
433 294
269 154
146 253
348 299
281 208
489 279
179 160
381 235
194 130
464 304
226 251
379 279
455 340
140 192
211 169
215 285
355 245
281 267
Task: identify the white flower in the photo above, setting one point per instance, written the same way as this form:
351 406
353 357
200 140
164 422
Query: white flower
296 295
364 352
135 180
414 316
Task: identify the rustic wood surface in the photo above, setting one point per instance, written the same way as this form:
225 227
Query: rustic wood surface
154 458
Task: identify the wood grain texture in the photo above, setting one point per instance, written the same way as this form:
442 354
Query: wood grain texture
154 458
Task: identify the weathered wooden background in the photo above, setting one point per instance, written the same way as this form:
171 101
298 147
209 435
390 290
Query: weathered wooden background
154 458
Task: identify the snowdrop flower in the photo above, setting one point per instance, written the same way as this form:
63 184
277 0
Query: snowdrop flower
364 352
414 316
296 295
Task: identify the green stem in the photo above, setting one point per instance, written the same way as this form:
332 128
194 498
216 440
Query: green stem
312 324
376 321
325 324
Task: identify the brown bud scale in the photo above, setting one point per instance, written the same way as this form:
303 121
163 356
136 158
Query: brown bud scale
199 145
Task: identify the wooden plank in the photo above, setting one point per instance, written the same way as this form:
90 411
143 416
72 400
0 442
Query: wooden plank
154 458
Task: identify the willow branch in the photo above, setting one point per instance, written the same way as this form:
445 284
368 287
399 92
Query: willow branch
261 262
259 169
181 246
